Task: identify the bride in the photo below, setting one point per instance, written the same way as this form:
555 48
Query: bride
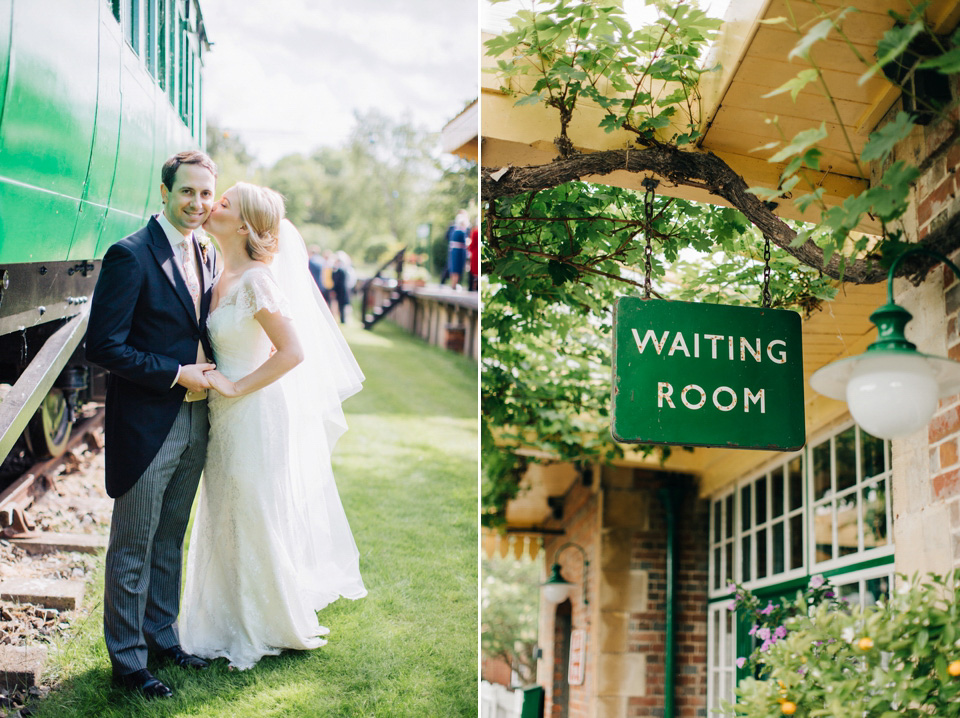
270 544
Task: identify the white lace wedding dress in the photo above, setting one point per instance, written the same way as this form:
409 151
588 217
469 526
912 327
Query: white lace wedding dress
270 544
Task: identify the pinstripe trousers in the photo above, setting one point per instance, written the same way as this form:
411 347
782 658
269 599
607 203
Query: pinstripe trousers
145 551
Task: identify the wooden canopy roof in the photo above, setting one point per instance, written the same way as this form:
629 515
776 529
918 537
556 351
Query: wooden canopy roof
753 55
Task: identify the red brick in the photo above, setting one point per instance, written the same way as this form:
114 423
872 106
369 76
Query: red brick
948 401
953 157
946 484
944 424
943 192
948 453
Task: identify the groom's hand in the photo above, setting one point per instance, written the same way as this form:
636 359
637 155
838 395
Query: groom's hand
191 376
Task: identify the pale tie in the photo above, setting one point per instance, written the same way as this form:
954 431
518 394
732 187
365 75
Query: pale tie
190 273
193 286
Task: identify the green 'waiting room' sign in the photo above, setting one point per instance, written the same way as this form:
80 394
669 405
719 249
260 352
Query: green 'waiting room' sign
707 375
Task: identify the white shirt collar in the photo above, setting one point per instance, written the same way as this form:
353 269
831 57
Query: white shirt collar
172 233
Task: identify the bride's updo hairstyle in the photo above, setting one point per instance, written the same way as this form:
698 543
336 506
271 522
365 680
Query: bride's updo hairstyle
261 210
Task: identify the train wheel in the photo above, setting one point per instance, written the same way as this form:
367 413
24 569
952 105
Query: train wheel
48 432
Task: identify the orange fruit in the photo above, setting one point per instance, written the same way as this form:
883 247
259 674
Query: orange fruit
954 668
788 708
865 643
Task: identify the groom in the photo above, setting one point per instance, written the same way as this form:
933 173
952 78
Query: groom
148 329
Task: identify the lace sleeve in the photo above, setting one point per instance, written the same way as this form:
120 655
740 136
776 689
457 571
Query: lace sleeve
260 291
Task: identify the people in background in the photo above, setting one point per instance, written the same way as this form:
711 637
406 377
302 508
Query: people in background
457 248
343 279
316 265
474 250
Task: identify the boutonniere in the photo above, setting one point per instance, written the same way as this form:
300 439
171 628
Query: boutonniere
203 240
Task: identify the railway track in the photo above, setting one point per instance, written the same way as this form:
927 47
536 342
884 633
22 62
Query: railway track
20 494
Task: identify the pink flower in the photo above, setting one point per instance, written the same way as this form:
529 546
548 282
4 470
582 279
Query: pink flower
780 632
753 629
768 610
817 581
763 633
732 606
741 662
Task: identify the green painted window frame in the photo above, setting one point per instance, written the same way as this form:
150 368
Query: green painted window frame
738 504
133 26
151 38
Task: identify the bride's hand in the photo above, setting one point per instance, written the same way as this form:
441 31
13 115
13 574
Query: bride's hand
221 384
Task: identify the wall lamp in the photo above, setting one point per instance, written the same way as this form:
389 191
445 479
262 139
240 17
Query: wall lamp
892 389
556 588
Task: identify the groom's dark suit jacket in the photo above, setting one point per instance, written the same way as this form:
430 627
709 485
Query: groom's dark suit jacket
142 326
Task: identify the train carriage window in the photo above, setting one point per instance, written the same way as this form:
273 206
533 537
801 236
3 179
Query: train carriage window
162 43
174 51
195 95
184 70
201 125
151 38
182 53
131 21
187 67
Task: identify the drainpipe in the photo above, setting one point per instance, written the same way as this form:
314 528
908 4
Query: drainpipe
669 498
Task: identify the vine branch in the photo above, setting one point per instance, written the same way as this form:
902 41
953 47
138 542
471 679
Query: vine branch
705 170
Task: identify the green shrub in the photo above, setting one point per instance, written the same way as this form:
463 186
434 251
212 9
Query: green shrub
900 657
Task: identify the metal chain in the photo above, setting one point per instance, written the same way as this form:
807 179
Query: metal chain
650 185
766 273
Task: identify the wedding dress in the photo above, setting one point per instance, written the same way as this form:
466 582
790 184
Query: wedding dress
270 544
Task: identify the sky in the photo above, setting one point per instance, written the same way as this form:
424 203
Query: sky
287 76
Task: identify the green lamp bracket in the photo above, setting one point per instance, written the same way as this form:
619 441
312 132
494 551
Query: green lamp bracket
891 319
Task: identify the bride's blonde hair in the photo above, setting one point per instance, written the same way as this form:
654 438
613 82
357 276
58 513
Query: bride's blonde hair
261 210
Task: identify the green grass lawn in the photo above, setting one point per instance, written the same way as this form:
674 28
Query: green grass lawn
407 474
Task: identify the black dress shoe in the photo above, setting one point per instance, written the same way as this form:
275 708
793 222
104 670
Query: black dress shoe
145 682
181 658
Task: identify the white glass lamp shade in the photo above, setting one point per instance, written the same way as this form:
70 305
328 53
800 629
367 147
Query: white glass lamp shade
556 589
891 393
555 593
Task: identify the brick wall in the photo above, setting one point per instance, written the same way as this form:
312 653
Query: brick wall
926 466
496 670
560 689
943 433
623 529
580 524
647 627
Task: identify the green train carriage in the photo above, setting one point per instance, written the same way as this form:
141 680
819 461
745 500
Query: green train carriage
96 95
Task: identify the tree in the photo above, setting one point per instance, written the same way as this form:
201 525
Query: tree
234 162
509 598
375 190
645 80
391 168
303 183
557 250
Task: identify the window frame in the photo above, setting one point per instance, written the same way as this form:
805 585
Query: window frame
861 555
722 678
782 464
863 565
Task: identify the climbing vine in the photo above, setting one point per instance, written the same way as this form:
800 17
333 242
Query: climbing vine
557 251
